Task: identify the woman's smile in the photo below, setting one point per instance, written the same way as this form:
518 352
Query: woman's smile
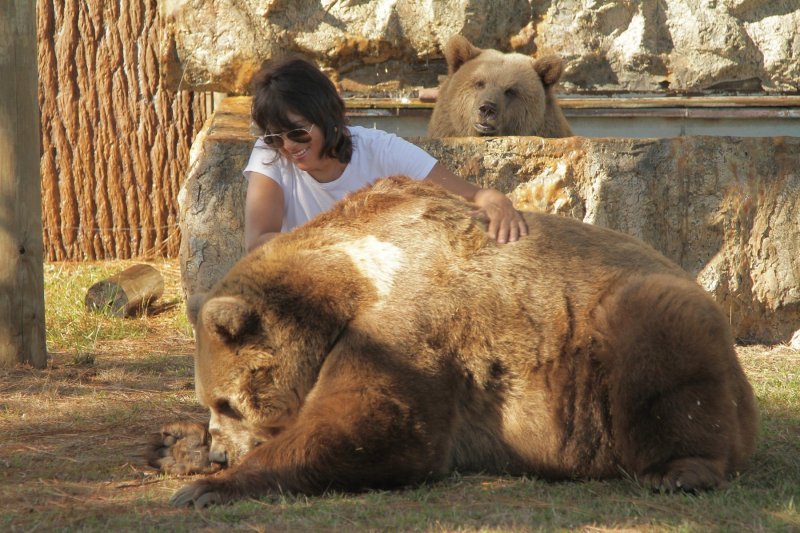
306 156
298 155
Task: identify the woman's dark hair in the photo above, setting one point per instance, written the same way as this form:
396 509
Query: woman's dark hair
293 85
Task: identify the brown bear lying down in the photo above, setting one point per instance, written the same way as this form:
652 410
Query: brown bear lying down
390 341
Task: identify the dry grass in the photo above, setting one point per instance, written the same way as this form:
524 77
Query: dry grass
71 438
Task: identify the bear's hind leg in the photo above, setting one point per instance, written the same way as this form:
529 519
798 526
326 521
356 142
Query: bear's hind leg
672 391
679 439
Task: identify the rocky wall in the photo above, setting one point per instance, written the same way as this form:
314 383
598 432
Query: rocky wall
393 46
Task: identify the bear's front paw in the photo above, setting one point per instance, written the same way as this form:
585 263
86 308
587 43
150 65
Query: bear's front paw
181 448
200 494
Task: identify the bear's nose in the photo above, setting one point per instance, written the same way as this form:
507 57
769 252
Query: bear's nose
218 455
488 109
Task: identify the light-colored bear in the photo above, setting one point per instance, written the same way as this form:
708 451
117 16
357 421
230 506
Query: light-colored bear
489 93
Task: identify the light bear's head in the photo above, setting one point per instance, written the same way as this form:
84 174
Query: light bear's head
494 93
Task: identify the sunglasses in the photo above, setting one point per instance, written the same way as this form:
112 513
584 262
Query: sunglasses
299 135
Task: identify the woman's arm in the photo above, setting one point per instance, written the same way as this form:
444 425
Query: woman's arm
263 211
506 224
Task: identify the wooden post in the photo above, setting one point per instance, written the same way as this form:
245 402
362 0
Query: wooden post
22 335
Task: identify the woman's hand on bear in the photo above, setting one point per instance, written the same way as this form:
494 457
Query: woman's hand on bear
506 224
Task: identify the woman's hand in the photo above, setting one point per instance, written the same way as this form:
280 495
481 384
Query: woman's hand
506 224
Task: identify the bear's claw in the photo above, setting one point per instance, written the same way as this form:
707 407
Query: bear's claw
181 448
198 495
691 474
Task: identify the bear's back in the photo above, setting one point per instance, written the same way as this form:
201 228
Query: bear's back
433 228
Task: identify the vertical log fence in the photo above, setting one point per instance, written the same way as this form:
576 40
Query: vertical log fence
115 143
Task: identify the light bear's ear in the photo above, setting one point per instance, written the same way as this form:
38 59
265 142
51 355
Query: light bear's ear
549 68
229 318
458 51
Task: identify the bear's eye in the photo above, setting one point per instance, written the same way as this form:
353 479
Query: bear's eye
224 408
480 84
511 92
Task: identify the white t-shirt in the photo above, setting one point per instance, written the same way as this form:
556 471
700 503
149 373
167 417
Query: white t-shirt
376 154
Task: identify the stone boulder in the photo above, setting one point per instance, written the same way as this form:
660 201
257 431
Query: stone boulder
393 46
727 209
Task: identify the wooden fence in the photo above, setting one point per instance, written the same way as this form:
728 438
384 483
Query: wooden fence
115 145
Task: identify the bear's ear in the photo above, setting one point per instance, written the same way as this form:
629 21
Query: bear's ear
229 318
458 51
549 68
193 306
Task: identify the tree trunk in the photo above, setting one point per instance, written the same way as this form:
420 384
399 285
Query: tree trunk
22 337
116 145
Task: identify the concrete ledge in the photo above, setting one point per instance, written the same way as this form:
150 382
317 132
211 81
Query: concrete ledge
727 209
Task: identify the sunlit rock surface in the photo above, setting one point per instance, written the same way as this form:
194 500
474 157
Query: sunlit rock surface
385 46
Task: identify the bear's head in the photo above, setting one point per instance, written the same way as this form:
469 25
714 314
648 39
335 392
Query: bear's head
264 331
262 334
491 93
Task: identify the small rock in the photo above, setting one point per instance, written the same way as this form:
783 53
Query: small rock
795 342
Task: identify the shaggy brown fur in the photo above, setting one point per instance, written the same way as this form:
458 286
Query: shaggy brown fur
488 92
390 341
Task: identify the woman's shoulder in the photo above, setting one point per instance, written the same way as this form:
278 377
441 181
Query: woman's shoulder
365 138
360 133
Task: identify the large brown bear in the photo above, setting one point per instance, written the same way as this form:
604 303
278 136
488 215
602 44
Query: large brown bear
491 93
390 341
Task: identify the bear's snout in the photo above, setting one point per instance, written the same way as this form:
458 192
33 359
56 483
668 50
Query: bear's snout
488 110
218 454
487 118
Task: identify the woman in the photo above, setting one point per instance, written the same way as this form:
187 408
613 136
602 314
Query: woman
309 158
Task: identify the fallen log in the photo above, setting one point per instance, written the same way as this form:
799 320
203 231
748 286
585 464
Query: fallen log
127 293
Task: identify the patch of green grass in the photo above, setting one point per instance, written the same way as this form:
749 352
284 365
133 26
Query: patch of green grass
72 327
68 323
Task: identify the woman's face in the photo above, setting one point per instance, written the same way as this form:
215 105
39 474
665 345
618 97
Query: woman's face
305 155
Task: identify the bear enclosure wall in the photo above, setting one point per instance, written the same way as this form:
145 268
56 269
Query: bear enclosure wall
115 144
